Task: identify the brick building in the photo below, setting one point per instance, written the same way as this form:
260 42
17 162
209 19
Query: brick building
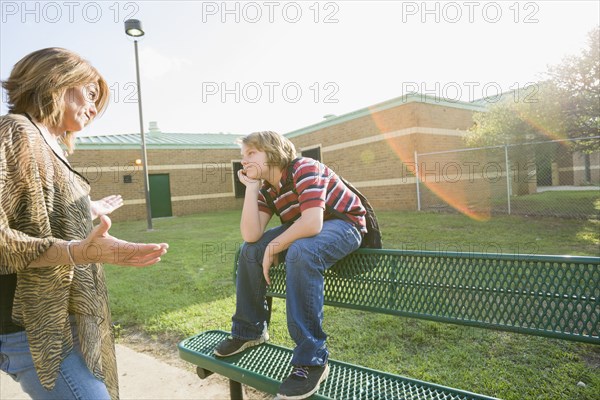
189 173
374 147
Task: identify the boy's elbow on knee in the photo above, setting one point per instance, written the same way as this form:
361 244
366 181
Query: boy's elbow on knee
251 237
251 240
317 227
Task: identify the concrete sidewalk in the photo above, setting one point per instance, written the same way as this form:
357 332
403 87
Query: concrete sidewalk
142 377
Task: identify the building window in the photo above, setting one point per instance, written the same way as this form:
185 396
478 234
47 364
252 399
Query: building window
238 187
314 153
127 179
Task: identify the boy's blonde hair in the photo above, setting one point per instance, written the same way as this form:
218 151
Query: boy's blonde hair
280 151
38 82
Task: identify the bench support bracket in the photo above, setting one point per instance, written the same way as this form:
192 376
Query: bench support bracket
235 390
203 373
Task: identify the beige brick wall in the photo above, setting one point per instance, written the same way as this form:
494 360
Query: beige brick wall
383 169
195 176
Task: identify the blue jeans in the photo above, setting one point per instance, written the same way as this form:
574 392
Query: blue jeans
75 380
306 261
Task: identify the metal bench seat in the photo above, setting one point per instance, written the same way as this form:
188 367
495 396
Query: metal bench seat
264 367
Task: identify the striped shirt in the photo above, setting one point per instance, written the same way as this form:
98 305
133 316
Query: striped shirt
312 184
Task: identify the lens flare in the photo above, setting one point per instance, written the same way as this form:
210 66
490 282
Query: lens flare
453 192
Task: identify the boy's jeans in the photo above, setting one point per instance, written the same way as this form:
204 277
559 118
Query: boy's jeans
306 261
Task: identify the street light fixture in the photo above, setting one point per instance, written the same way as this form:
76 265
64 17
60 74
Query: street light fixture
133 28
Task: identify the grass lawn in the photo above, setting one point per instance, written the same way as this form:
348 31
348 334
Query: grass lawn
583 201
560 203
192 290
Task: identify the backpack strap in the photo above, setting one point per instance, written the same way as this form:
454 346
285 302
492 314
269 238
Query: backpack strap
290 173
328 208
269 200
371 239
288 182
341 215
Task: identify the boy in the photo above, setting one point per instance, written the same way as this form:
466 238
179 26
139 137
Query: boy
310 239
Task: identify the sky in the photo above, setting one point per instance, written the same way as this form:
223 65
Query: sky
239 67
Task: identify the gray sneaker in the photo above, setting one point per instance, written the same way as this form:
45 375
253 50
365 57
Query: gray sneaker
231 345
303 382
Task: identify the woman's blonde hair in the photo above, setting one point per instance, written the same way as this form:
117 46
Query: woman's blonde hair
280 151
38 82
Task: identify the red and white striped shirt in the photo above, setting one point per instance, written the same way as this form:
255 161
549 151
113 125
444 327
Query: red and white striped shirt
312 184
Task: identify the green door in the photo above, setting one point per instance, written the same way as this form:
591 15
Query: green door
160 195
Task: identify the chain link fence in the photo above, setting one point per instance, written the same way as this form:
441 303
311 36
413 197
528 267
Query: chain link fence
540 179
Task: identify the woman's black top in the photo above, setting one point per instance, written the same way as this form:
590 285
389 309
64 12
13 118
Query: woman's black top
8 284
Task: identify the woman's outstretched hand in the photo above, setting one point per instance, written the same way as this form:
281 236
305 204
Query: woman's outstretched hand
100 246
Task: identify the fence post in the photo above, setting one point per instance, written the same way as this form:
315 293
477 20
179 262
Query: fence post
508 187
417 181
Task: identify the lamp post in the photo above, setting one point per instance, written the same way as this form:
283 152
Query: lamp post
133 28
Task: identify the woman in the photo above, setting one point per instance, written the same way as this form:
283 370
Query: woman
55 327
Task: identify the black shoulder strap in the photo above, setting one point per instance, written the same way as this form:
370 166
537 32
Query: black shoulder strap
269 200
290 172
331 210
341 215
288 181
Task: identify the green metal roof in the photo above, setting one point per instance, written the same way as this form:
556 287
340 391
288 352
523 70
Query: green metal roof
497 98
159 140
398 101
163 140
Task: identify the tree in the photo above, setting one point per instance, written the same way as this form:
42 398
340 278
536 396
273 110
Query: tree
531 114
566 105
577 80
528 115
